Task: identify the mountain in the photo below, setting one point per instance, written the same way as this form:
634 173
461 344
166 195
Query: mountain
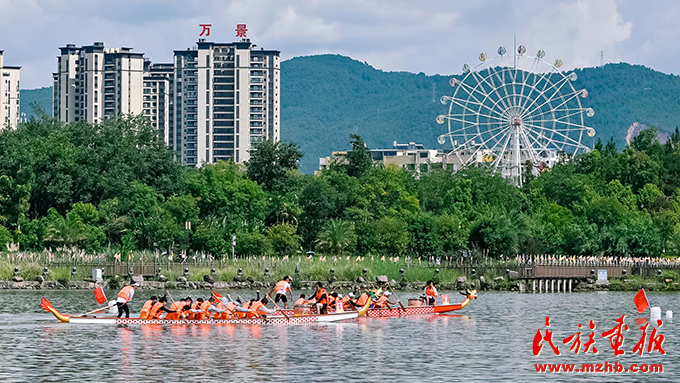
325 98
35 100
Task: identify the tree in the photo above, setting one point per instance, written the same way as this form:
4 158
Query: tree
252 243
336 236
272 162
283 239
62 231
359 159
222 191
392 236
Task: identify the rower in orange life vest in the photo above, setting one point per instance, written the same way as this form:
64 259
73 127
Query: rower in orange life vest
124 296
321 299
383 301
159 308
259 308
430 293
281 289
179 309
195 308
146 308
301 300
333 299
348 301
363 299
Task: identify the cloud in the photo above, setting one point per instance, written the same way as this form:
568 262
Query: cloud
434 36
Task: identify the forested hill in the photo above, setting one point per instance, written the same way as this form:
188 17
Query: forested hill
326 97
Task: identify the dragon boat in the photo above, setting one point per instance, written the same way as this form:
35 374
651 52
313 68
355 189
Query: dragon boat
397 311
269 320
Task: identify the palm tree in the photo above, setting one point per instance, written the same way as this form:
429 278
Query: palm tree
336 236
66 231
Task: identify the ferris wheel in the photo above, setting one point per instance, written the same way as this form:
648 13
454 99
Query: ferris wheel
515 113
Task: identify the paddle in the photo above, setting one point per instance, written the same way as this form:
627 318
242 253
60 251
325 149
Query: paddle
399 301
277 306
98 310
173 301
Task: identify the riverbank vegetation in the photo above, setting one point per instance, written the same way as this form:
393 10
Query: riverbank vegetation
83 189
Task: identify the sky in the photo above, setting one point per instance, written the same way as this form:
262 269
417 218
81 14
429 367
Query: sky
430 36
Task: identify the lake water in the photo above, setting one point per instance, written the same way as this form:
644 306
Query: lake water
491 339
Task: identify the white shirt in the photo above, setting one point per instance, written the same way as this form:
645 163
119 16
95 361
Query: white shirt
286 288
123 300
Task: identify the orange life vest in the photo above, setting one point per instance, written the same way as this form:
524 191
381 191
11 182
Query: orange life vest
230 308
331 303
382 301
319 293
247 307
361 302
204 310
155 312
255 307
346 302
144 314
175 306
125 293
429 290
300 301
194 306
281 286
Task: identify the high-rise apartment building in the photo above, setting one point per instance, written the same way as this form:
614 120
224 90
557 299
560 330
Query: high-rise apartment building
212 103
93 82
226 97
9 95
156 99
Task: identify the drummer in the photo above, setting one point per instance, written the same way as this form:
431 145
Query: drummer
124 296
430 293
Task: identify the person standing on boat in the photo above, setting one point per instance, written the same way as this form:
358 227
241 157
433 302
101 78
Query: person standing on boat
124 296
281 289
146 308
321 298
430 293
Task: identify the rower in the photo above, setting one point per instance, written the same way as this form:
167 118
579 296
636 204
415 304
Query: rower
321 297
124 296
177 309
194 309
383 301
281 288
158 308
144 314
332 301
430 293
301 300
259 308
363 299
347 301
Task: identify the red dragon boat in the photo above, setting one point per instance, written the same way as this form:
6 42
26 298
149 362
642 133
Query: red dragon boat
269 320
397 311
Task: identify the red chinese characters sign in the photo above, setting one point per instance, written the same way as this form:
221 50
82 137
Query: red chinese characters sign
241 30
206 29
615 335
